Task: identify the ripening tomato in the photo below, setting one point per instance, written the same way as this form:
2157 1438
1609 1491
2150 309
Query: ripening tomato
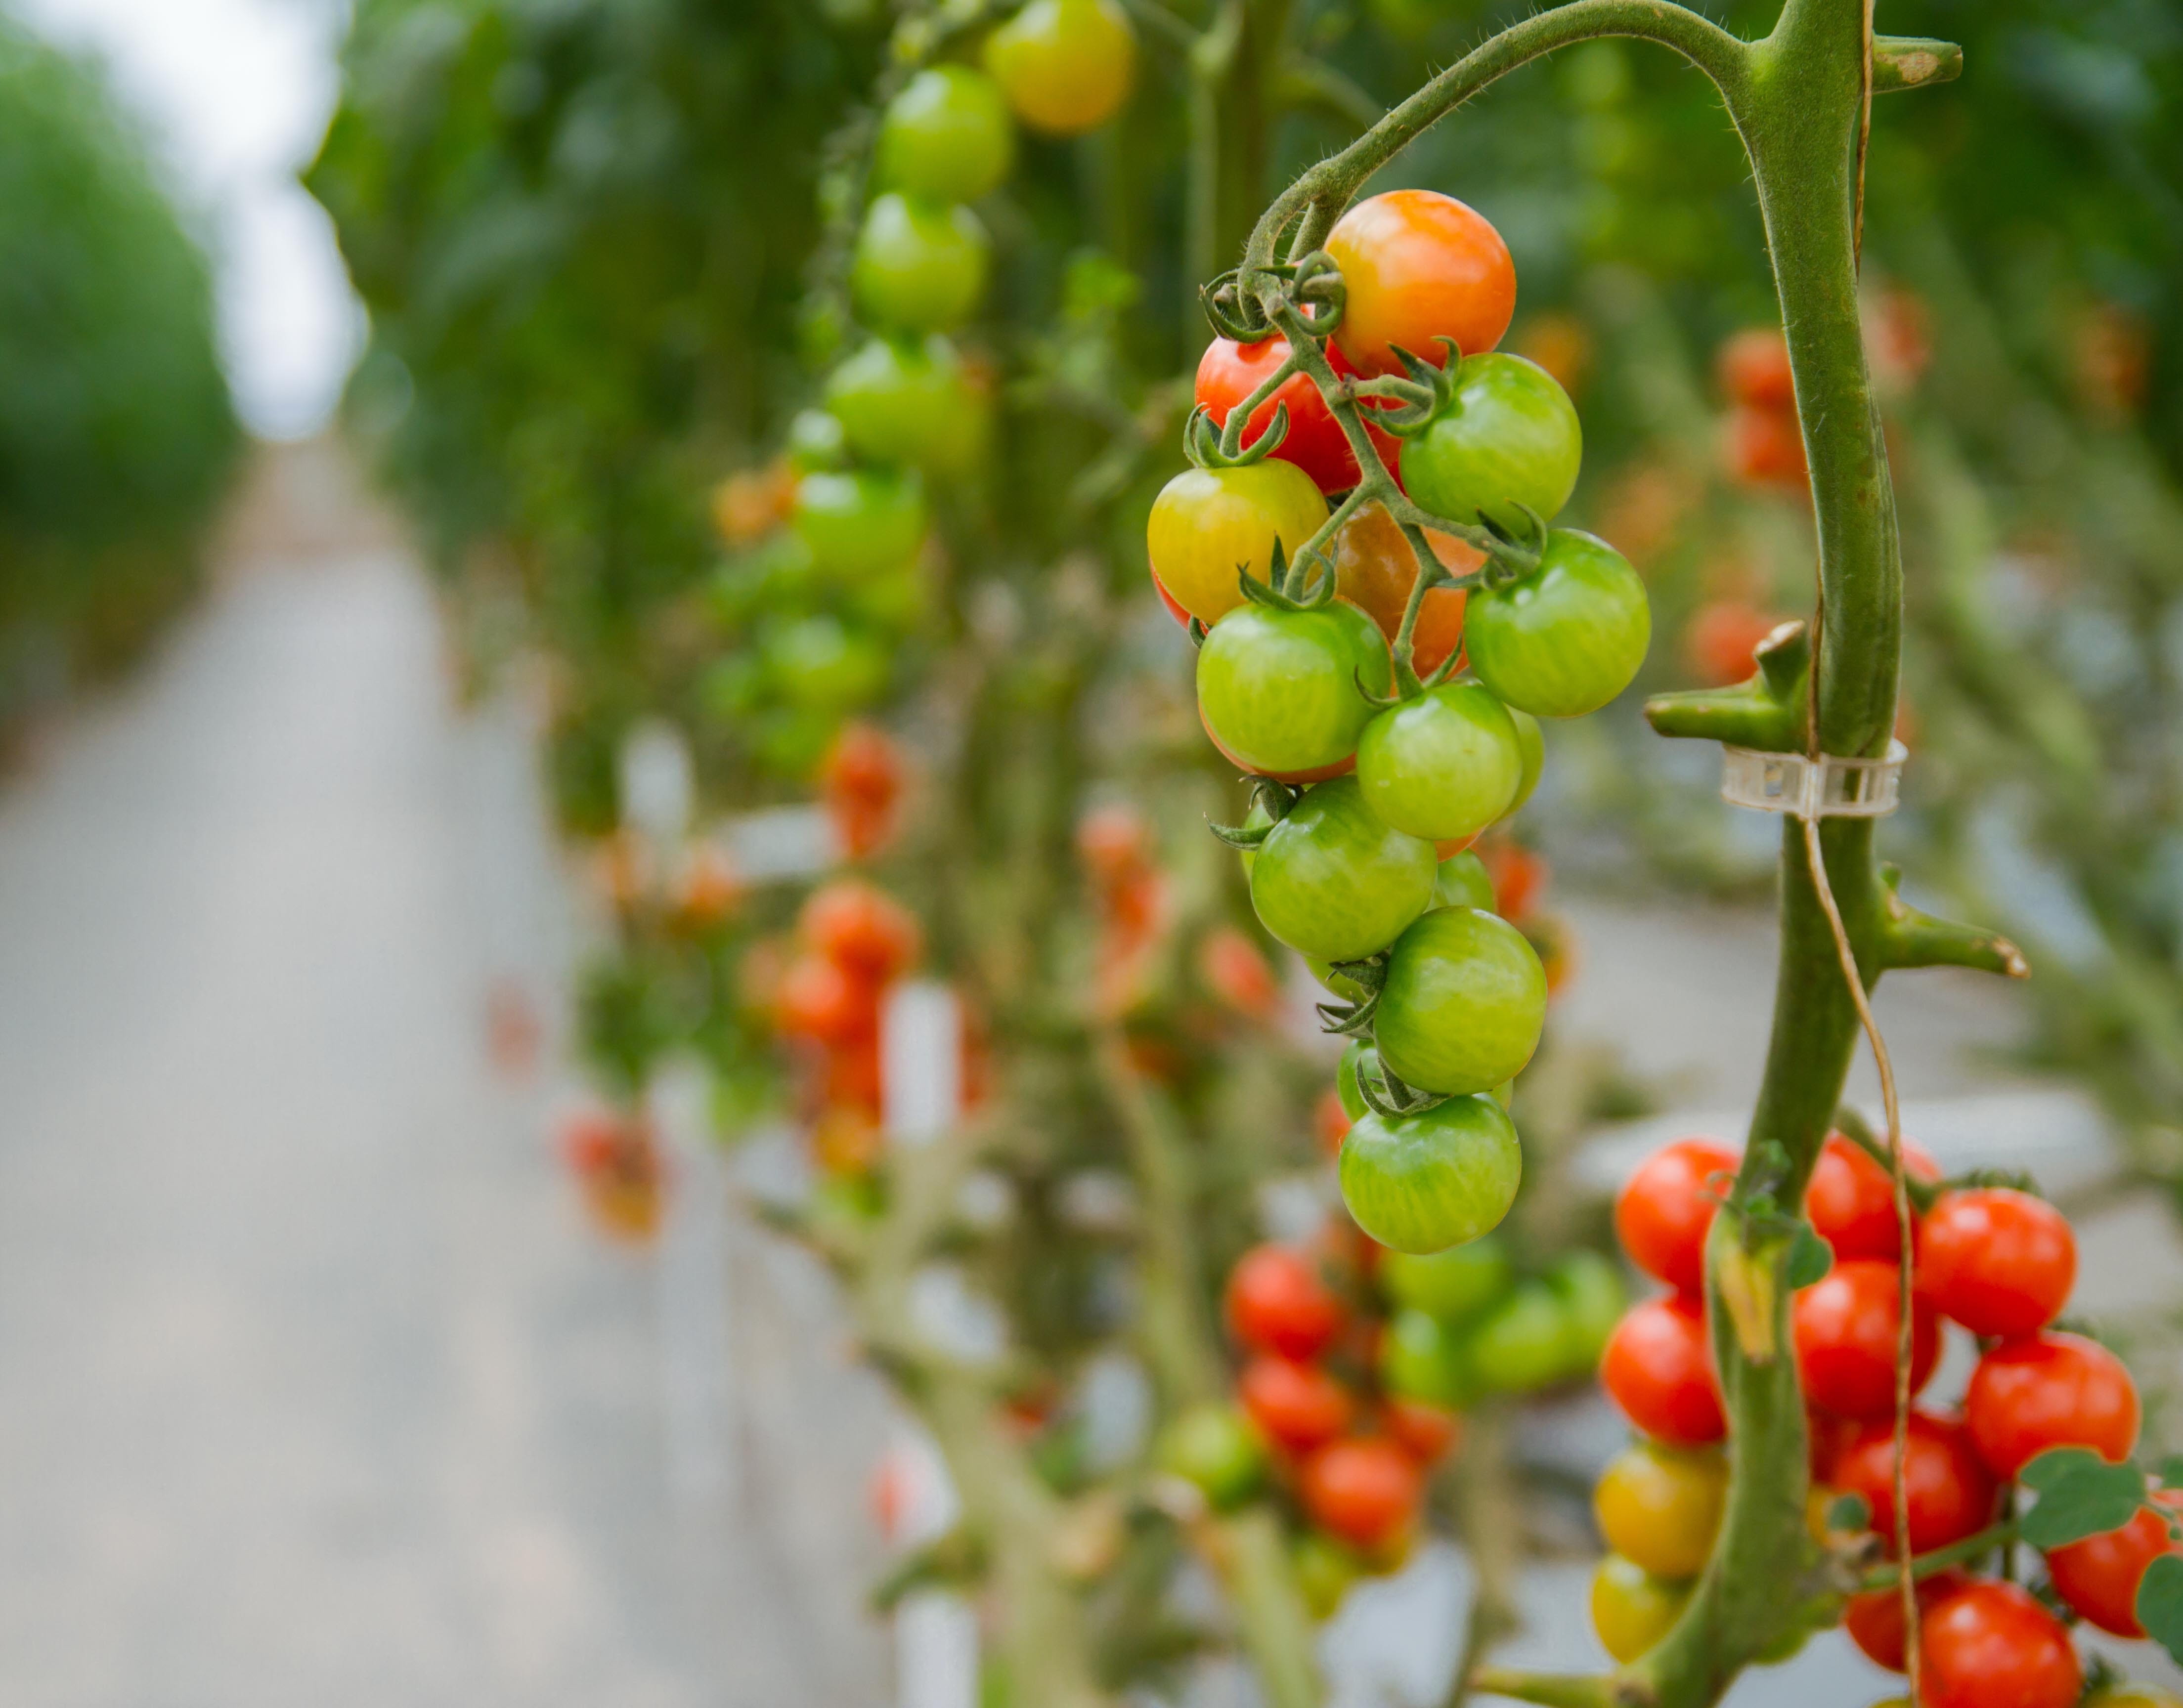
1464 1003
1418 266
1658 1369
1662 1508
1765 447
1216 1448
1283 692
1235 971
1375 569
1632 1610
1998 1261
1297 1406
822 1000
1993 1645
1425 1182
2099 1575
1568 637
860 927
1443 765
1278 1302
860 781
1507 438
1666 1207
1066 66
946 137
1753 365
1950 1492
1845 1325
918 266
907 402
1426 1431
2050 1390
1420 1357
1209 523
1229 372
1874 1621
1331 881
1366 1491
1851 1199
859 523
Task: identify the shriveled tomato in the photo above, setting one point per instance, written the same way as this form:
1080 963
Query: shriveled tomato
1845 1325
1374 569
1066 66
1278 1302
1283 692
1993 1645
1665 1208
918 266
1425 1182
1950 1492
1209 523
1753 365
1332 881
861 928
1418 266
1567 638
2099 1575
1998 1261
1297 1405
2050 1390
1366 1491
1851 1199
1658 1369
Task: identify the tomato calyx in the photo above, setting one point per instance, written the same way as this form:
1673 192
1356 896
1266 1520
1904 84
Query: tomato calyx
1428 394
1268 796
1385 1094
1353 1019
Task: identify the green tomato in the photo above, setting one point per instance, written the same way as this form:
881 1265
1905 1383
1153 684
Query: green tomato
820 663
1464 1003
910 402
1450 1284
918 266
892 600
778 574
1214 1446
1522 1343
1504 1094
1464 882
1422 1358
1332 881
1283 692
1592 1298
791 741
1508 437
1359 1057
1340 984
1531 743
1423 1183
859 523
946 136
734 688
1567 638
1442 766
1324 1569
815 440
1065 65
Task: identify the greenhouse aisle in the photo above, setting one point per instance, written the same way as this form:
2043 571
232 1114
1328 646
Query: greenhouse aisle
314 1387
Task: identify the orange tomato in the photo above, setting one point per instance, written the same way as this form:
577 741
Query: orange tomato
1374 570
1418 266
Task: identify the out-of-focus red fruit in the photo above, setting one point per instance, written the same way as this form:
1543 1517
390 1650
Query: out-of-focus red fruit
1296 1405
820 1000
1278 1302
1720 644
860 930
1367 1491
1427 1433
1764 448
1330 1121
1754 369
850 1077
860 783
1115 843
1518 877
707 888
1235 971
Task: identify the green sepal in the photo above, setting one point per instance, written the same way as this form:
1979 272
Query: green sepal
1201 441
1434 393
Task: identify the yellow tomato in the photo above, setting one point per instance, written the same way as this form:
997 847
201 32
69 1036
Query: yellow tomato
1065 66
1207 521
1661 1508
1631 1610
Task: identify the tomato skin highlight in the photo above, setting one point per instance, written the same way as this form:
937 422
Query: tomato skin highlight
1993 1645
1658 1369
1418 266
2000 1262
1065 66
1442 766
1334 883
1283 692
1508 437
1567 638
918 266
2050 1390
1851 1199
1845 1326
1661 1508
1464 1004
1950 1492
1297 1406
1666 1208
2098 1576
1366 1491
1277 1302
1423 1183
1207 522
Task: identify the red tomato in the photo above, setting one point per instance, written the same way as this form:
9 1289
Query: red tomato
1236 971
1846 1327
1718 645
1999 1263
1666 1205
1658 1369
1852 1199
1519 875
1875 1622
2050 1390
1951 1491
2098 1576
852 1076
1366 1491
1330 1121
1277 1302
820 1000
1754 369
1993 1645
1114 842
860 930
1297 1406
1229 372
1765 447
1417 265
1427 1433
860 781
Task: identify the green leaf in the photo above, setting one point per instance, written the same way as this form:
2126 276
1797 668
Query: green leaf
1850 1513
2171 1471
1809 1258
2160 1603
2058 1464
2081 1499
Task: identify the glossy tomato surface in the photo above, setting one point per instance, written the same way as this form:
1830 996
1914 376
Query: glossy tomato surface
918 266
1666 1207
1464 1003
1443 765
1283 692
1374 569
1277 1301
1425 1182
1568 637
2050 1390
1993 1645
1065 66
1661 1506
1331 881
1229 372
2099 1575
1999 1261
1845 1327
1209 523
1950 1492
1851 1199
1418 266
1658 1369
1507 438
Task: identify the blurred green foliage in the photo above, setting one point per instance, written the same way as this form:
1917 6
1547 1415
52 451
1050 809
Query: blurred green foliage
116 437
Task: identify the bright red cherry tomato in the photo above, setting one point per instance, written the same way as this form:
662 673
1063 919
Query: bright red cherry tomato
1951 1491
1427 1433
1229 372
1296 1405
1658 1369
860 928
1993 1645
1851 1199
1999 1263
1665 1208
1875 1622
1845 1325
2099 1575
1277 1302
1754 369
1366 1491
2050 1390
1416 266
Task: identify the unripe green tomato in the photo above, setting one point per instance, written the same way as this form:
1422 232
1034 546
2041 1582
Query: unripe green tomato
1450 1284
821 663
892 600
777 575
1283 692
1333 882
1464 1003
1567 638
1508 437
815 441
1591 1295
859 523
1631 1610
1464 882
1340 984
1214 1446
1421 1358
1066 66
903 401
1504 1094
1325 1569
1441 1177
1359 1057
735 687
1442 766
946 136
918 266
1522 1343
1531 743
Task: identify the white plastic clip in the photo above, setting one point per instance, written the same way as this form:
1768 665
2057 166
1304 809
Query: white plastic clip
1826 788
